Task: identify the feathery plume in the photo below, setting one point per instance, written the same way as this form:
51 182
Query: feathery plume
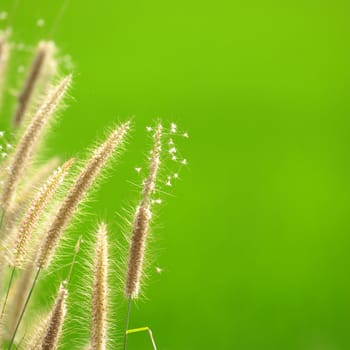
38 334
23 151
141 222
78 191
35 209
35 181
99 293
25 195
43 56
4 57
55 322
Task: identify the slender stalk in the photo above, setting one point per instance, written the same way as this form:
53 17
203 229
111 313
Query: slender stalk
8 291
76 251
127 323
24 309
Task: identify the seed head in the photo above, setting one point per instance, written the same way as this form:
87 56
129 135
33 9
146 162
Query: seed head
78 191
42 58
141 222
99 293
29 140
55 322
35 210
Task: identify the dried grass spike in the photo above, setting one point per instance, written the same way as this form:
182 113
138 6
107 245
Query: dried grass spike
25 196
141 223
43 55
37 335
55 322
35 210
150 182
78 191
99 293
29 140
137 250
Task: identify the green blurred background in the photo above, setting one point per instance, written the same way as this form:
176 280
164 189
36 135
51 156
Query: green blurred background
254 238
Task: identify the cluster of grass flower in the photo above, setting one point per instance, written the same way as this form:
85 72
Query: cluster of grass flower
38 204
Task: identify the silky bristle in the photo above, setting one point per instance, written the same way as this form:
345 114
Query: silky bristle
99 292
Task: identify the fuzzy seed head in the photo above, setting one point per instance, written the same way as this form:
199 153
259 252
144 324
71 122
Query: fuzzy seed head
29 140
141 222
78 191
25 196
149 184
55 323
35 210
42 58
137 250
100 293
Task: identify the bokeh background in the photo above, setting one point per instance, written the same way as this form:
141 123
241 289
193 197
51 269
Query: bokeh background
253 240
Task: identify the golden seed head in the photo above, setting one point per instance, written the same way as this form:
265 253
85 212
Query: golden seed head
42 58
137 250
55 322
85 180
23 152
150 182
99 293
35 210
142 221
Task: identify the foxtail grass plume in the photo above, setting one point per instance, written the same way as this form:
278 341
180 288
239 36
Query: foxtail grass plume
141 222
23 152
4 57
78 191
37 334
99 292
35 210
37 71
34 181
25 194
55 323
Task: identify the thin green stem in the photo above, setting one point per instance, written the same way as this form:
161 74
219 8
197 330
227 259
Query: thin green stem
76 251
24 309
8 291
127 324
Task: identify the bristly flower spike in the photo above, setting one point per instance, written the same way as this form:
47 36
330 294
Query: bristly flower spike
42 58
100 291
141 222
55 322
79 189
29 140
35 210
